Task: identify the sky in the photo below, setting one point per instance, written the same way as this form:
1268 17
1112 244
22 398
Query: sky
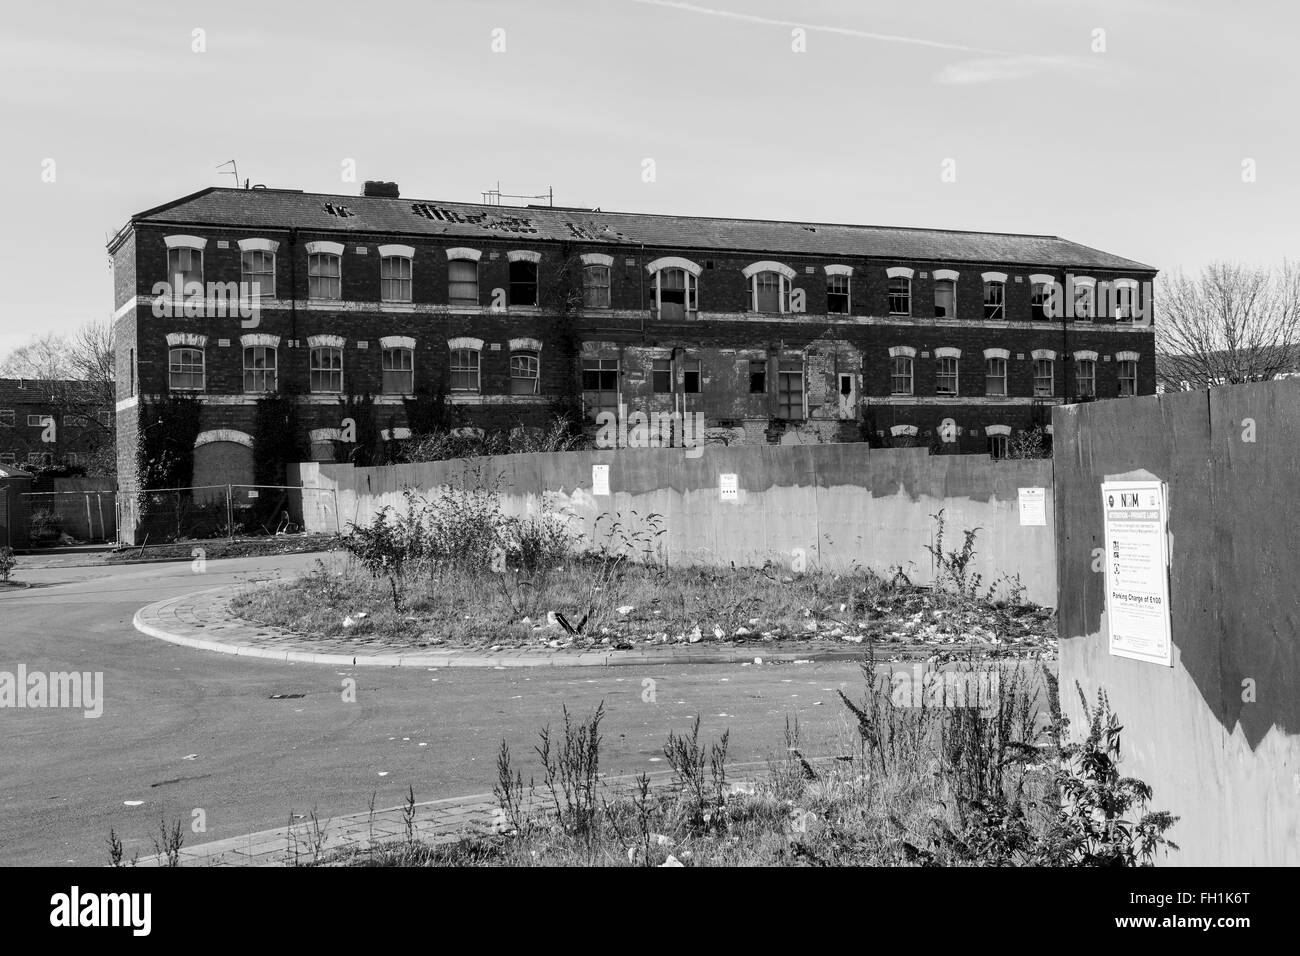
1156 130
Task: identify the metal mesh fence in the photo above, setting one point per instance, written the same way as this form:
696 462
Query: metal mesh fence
227 511
54 518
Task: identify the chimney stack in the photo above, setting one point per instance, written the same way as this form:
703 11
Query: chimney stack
374 187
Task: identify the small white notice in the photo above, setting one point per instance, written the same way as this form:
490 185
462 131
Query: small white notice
252 494
1137 570
1033 506
599 479
728 487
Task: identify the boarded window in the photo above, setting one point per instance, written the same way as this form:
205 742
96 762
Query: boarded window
789 399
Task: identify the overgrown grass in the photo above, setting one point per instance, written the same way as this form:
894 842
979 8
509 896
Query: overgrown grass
456 607
988 780
454 569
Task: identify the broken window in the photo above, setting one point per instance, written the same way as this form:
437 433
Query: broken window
771 292
523 282
324 276
1043 378
395 279
995 377
945 299
462 282
595 287
900 296
525 376
399 371
600 382
1038 302
1124 297
464 370
945 382
1083 302
326 374
1085 373
691 376
837 295
757 376
997 446
675 293
661 375
259 368
995 296
789 399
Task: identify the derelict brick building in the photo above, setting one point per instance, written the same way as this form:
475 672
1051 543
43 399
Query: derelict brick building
775 331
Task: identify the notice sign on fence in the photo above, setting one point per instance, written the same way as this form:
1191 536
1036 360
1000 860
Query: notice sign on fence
1033 506
600 479
728 487
1137 570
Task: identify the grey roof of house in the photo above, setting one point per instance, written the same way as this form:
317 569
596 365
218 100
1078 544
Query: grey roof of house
283 209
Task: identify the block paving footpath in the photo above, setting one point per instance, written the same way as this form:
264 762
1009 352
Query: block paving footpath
202 620
308 841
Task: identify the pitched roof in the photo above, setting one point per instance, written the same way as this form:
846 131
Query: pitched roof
285 208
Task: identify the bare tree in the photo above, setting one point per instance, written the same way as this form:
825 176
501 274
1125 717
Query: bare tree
74 376
1230 324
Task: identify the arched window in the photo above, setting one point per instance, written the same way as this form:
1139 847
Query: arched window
462 276
525 372
995 372
838 289
464 370
185 264
1040 292
769 286
325 270
995 295
596 280
395 273
399 369
185 369
1044 373
259 368
900 290
523 278
902 359
1085 299
946 368
257 266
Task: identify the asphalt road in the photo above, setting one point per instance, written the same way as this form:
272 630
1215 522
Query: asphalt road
183 729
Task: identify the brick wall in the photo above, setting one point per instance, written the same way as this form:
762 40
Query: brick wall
830 347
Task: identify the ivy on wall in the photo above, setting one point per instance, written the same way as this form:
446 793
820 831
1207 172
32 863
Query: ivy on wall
429 411
276 439
367 447
168 426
